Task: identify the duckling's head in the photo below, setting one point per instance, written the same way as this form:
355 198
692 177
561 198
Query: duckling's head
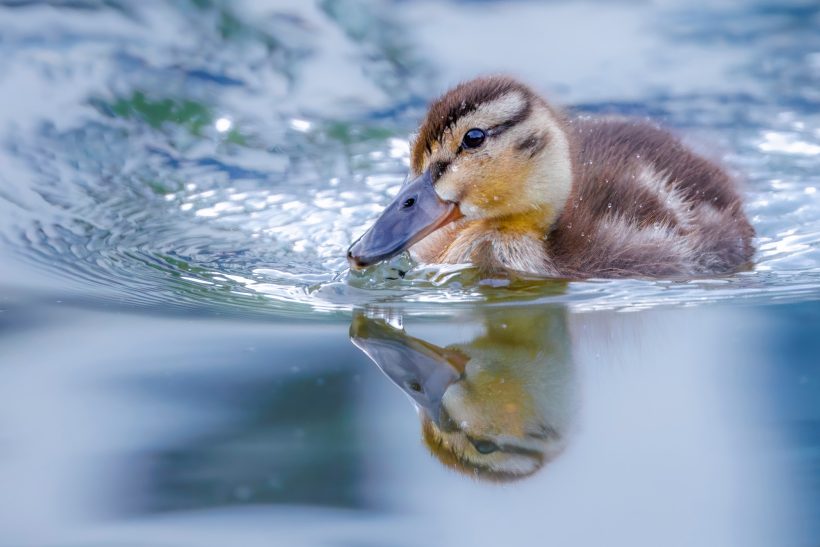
488 150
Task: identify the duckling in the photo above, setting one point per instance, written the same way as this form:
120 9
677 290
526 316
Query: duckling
505 181
498 407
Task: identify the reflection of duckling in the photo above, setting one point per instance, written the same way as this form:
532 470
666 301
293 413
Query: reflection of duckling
499 406
506 182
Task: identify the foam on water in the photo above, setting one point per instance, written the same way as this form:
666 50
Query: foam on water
196 154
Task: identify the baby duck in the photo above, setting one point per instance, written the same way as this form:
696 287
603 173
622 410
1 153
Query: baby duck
503 180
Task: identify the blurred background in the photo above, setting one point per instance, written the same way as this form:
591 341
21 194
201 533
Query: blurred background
179 181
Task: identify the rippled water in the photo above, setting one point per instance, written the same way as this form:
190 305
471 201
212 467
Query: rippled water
199 153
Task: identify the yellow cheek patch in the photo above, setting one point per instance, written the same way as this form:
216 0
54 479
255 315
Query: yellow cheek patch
500 403
496 188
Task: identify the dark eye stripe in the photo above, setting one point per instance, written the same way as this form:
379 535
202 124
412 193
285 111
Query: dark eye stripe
438 169
519 117
533 144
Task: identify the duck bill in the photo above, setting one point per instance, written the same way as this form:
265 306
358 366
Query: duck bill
414 213
422 370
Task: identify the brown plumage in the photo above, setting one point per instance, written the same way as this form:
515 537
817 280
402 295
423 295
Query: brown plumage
547 194
692 210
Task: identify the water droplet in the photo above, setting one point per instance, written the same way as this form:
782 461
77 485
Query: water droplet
223 124
300 125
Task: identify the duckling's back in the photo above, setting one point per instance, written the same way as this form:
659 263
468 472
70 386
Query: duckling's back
643 204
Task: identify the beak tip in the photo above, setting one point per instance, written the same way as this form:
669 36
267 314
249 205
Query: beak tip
356 262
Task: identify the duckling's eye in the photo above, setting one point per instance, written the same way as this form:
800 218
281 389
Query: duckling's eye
473 138
484 447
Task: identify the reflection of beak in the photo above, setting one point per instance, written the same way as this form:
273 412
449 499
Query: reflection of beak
422 370
413 214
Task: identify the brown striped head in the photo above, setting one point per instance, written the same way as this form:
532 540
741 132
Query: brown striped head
522 163
489 149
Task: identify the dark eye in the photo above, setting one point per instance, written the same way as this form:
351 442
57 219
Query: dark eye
415 386
473 138
484 447
409 202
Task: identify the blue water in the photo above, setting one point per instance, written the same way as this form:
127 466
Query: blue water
179 182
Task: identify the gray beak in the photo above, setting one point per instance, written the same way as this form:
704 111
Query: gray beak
422 370
413 214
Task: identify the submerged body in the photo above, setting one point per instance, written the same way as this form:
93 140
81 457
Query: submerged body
505 182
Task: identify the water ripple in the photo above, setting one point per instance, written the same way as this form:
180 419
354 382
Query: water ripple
221 169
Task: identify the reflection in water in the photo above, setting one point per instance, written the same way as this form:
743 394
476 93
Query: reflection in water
499 406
